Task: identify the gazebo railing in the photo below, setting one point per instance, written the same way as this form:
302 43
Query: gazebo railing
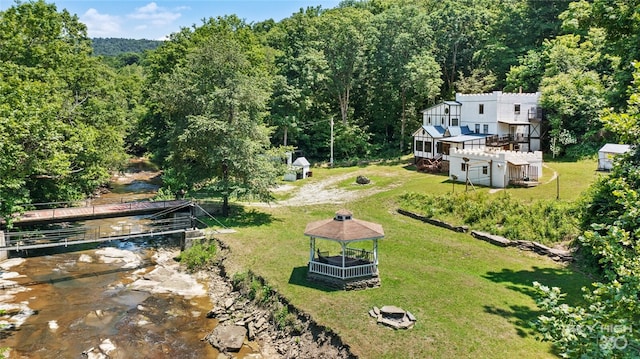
364 270
359 254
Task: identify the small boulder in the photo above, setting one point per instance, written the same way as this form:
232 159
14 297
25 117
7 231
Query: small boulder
362 180
227 337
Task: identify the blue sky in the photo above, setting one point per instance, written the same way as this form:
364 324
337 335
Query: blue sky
137 19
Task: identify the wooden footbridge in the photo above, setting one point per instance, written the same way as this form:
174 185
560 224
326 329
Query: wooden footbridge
156 225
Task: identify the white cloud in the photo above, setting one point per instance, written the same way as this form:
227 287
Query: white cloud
101 25
154 14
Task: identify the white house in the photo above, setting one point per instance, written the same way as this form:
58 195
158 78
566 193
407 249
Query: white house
495 167
607 153
508 121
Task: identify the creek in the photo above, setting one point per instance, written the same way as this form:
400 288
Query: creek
113 300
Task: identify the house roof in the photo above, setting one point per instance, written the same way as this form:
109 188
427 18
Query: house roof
615 148
458 130
518 162
344 228
515 122
301 162
449 103
464 138
434 131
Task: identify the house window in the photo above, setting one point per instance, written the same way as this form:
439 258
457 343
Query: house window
429 119
419 146
446 110
454 122
485 128
481 109
442 121
463 166
516 108
427 146
439 147
485 170
477 128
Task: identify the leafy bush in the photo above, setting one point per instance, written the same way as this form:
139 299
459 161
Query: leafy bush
284 319
198 256
252 287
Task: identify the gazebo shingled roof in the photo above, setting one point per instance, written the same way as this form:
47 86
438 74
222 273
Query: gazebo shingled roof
344 228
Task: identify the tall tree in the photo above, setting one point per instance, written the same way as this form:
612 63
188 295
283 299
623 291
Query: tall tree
342 43
62 112
461 29
573 92
297 102
401 72
519 26
215 102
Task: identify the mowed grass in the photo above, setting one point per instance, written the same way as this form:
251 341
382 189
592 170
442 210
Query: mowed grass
471 299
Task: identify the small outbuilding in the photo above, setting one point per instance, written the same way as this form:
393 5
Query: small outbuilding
343 260
302 166
608 152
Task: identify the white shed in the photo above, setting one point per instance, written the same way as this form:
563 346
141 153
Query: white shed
607 153
302 163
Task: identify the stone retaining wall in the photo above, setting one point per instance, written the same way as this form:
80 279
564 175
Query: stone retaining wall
347 284
435 222
558 255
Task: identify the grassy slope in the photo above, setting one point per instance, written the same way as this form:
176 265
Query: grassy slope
471 299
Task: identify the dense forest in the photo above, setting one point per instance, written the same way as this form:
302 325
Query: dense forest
217 105
115 46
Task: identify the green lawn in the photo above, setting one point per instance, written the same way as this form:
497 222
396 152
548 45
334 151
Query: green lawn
471 299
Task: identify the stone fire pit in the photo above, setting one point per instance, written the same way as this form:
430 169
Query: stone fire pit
394 317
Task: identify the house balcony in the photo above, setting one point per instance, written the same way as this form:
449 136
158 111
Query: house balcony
505 140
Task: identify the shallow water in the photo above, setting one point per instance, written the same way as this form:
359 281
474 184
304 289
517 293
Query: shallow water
63 302
75 302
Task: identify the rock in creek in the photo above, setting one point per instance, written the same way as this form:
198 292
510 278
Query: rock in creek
227 338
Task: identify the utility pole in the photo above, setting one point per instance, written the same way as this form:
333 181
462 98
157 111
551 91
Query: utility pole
331 145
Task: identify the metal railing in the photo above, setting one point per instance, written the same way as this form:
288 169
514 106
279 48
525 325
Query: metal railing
358 254
97 209
81 235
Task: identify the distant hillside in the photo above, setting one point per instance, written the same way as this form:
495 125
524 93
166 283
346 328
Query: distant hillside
116 46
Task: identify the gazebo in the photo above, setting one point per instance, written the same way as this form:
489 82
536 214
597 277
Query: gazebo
351 268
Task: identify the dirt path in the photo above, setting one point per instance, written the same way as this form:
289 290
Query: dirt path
325 191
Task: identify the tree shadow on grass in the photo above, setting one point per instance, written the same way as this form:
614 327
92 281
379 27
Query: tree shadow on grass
242 217
299 277
522 281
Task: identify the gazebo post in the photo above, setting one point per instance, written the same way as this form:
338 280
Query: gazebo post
344 250
312 248
375 253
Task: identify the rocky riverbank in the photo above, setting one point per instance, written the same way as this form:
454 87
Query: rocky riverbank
264 318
